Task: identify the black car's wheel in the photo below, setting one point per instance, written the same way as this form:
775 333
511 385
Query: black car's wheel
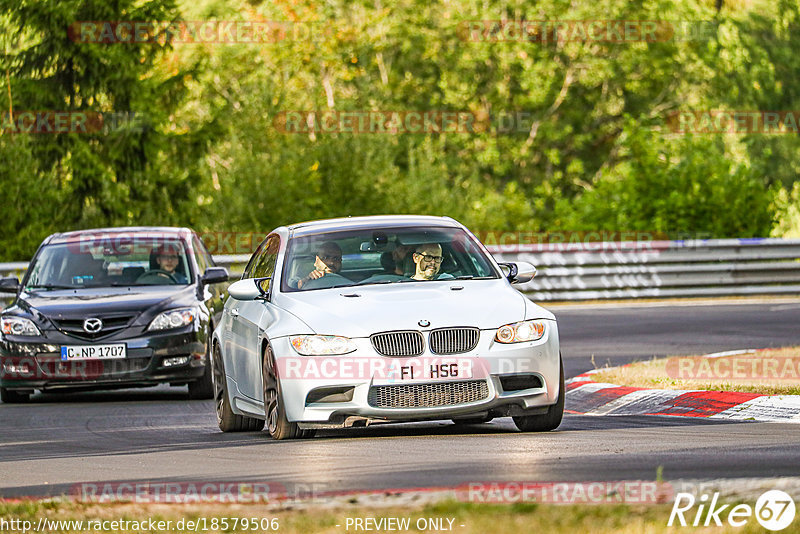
549 420
12 397
278 425
226 419
203 388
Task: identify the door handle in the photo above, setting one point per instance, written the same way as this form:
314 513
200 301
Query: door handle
235 312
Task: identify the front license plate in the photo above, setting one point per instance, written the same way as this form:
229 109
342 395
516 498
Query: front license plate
436 370
93 352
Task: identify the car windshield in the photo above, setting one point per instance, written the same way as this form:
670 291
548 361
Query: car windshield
383 256
95 262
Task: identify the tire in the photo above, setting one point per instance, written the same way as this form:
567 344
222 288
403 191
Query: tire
203 388
550 420
278 425
13 397
226 419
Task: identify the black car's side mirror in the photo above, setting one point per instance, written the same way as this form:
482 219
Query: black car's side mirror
215 275
9 284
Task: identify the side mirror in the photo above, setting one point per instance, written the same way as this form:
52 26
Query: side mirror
215 275
248 289
9 284
519 272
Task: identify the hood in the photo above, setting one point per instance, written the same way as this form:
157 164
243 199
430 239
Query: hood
361 311
76 303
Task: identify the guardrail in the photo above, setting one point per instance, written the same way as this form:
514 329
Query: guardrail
652 269
633 269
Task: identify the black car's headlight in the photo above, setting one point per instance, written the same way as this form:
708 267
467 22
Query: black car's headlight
18 326
173 319
520 332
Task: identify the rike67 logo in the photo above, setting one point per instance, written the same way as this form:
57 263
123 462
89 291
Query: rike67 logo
774 510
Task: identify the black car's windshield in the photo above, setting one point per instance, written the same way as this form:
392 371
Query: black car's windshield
383 256
110 262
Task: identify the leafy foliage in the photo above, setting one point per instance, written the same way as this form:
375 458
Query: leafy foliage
593 153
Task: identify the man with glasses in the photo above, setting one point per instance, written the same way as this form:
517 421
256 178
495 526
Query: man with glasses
428 260
328 261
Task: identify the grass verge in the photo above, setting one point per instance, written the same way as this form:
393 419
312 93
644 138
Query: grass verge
766 372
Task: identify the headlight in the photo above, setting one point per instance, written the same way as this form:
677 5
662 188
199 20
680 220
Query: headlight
19 326
173 319
520 332
322 345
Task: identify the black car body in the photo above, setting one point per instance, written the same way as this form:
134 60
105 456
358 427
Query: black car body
95 311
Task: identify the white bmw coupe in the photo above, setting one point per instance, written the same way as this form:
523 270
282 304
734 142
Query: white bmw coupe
347 322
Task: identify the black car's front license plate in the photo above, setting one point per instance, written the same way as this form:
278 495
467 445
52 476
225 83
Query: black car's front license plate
93 352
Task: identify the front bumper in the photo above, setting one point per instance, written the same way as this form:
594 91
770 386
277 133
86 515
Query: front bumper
35 363
513 379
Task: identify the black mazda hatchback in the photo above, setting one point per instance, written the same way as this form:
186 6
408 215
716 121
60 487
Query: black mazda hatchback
112 308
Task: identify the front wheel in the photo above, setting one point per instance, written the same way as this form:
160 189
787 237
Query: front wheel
278 426
9 396
549 420
226 419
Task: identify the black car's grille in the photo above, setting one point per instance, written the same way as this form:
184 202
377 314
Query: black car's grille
453 340
111 324
428 395
54 368
408 343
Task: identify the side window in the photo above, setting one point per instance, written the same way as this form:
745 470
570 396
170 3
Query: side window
201 255
254 259
265 266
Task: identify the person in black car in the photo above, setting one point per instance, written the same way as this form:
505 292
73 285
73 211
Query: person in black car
165 261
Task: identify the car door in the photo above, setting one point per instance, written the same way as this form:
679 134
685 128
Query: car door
248 319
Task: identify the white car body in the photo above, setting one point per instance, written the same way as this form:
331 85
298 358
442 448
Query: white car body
491 379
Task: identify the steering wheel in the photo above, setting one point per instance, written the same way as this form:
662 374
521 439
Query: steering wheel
329 280
156 276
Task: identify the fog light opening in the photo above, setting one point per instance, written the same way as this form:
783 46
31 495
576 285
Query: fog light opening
518 382
330 394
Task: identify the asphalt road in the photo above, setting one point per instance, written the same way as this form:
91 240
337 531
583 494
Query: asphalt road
153 435
620 334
